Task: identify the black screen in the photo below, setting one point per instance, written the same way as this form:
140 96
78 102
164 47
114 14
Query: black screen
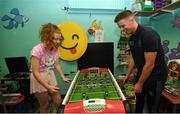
17 64
98 55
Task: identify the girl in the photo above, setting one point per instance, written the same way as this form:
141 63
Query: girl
44 58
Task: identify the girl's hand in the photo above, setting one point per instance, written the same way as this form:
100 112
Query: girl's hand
53 89
67 80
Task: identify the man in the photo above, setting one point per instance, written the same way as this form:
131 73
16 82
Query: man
148 57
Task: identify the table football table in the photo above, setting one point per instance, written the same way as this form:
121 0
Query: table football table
94 90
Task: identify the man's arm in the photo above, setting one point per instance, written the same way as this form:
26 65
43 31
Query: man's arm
130 67
150 58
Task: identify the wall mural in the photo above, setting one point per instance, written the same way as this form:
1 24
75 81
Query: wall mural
13 22
174 52
176 22
166 49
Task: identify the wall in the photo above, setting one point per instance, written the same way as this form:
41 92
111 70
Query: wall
19 41
163 24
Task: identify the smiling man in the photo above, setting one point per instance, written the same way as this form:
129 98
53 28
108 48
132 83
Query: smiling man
148 57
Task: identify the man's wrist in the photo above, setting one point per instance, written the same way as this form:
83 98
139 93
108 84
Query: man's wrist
140 82
126 75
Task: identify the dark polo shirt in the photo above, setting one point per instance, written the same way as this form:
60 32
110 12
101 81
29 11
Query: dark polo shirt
147 40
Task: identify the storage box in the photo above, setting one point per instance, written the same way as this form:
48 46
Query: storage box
147 6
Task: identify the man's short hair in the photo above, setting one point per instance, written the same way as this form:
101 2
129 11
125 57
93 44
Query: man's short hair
122 15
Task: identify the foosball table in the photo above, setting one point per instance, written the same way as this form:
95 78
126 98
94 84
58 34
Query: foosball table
93 90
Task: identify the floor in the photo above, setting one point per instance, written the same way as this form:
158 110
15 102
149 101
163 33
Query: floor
28 105
31 106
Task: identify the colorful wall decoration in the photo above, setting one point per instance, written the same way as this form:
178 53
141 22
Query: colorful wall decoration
176 22
14 22
75 41
174 53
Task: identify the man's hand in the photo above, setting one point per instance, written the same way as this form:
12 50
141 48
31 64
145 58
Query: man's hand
135 71
138 87
126 78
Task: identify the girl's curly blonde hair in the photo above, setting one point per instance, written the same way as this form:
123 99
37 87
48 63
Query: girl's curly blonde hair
47 35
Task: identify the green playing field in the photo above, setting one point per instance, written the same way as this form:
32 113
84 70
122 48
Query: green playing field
94 85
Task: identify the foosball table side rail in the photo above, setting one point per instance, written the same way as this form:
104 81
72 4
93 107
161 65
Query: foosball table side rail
70 89
117 86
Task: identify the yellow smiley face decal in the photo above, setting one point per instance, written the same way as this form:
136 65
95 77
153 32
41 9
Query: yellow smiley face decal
75 41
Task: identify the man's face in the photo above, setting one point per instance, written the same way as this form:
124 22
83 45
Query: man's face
126 25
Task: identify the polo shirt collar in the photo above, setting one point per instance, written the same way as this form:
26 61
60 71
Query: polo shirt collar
138 30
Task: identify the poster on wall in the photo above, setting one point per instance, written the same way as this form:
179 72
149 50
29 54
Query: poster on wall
176 22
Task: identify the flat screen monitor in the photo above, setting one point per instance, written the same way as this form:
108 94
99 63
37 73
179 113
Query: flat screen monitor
17 64
98 55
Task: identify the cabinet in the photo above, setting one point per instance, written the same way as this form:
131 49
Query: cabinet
23 82
165 9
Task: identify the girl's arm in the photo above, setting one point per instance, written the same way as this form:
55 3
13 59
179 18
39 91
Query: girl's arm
60 72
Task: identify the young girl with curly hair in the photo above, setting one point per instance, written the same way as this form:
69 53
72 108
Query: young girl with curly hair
44 58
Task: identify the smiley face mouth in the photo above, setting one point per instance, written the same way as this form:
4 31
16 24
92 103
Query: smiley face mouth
69 47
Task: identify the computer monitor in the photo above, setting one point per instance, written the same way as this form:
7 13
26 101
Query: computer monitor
99 54
17 64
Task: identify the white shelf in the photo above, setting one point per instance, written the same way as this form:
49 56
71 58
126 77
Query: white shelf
165 9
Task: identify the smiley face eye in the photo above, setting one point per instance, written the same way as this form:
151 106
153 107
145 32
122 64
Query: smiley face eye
75 36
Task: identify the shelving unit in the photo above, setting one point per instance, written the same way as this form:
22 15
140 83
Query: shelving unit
165 9
123 54
92 11
123 51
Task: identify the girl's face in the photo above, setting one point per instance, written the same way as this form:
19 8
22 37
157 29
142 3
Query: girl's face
58 38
